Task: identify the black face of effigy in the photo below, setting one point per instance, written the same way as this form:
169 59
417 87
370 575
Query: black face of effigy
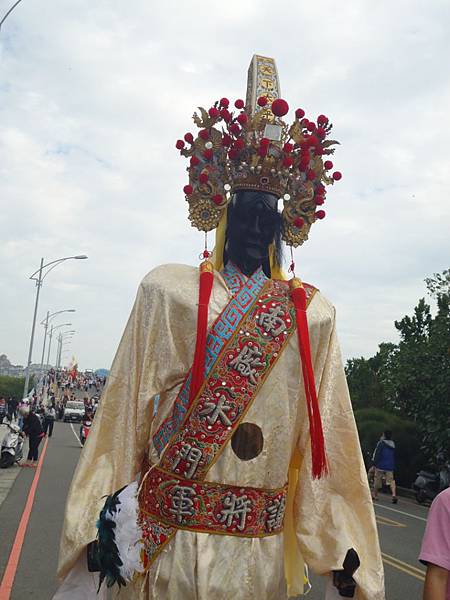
253 223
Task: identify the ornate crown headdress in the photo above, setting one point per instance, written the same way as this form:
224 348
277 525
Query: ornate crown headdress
254 149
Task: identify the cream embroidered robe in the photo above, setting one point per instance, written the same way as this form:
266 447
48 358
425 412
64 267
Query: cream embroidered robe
330 515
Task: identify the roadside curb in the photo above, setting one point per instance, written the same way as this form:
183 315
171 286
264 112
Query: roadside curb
7 476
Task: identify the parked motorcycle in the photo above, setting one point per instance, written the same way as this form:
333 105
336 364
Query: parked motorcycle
429 484
85 431
12 446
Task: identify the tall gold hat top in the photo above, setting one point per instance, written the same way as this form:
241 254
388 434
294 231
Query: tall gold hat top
254 149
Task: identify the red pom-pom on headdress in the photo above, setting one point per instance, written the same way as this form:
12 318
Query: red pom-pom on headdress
280 107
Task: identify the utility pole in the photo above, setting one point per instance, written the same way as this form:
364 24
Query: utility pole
49 345
45 339
33 327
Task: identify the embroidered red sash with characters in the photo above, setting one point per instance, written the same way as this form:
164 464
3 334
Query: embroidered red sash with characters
212 507
174 494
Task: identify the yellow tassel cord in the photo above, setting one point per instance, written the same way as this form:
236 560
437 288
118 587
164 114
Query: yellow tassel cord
217 255
295 570
294 566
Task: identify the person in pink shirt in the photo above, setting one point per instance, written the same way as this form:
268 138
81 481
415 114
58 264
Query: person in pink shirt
435 552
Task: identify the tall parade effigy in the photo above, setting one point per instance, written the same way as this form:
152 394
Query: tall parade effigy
248 466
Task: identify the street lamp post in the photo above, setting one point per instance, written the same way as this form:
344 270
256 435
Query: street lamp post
50 345
51 333
61 337
59 353
45 323
39 276
9 12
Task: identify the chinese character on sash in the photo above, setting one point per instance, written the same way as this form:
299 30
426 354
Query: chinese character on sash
275 514
182 503
272 322
213 411
247 362
235 510
192 456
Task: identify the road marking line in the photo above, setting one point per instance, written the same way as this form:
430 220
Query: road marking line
386 521
401 512
402 566
407 571
78 439
14 557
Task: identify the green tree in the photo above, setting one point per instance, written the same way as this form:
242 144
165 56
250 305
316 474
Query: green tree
417 381
363 383
439 284
366 377
412 379
12 386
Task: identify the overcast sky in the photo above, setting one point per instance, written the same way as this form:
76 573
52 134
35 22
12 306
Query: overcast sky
93 96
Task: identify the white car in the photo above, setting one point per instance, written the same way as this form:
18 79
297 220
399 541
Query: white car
74 411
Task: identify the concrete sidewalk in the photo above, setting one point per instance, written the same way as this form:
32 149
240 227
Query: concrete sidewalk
8 476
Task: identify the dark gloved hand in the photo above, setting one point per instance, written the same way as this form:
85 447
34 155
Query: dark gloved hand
343 579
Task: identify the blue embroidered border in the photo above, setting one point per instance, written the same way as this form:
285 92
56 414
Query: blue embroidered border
233 277
220 333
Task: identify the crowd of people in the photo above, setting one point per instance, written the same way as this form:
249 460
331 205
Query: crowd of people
37 413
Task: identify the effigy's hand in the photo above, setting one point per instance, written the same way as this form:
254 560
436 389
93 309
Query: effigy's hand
343 578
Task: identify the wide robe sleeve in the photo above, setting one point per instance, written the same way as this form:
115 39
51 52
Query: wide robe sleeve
150 359
335 513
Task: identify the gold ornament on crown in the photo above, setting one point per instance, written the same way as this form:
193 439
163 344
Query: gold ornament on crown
252 148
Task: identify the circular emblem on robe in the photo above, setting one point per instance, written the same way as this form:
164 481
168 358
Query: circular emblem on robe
247 441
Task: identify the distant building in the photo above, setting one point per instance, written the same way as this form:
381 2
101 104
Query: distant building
6 368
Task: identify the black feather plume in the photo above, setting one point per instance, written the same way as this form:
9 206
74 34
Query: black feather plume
108 553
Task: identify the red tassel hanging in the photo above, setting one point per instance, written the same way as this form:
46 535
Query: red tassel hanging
319 458
204 294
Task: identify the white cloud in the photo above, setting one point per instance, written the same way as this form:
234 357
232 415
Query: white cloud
93 96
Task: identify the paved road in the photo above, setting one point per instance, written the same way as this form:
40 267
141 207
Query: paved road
35 576
400 526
